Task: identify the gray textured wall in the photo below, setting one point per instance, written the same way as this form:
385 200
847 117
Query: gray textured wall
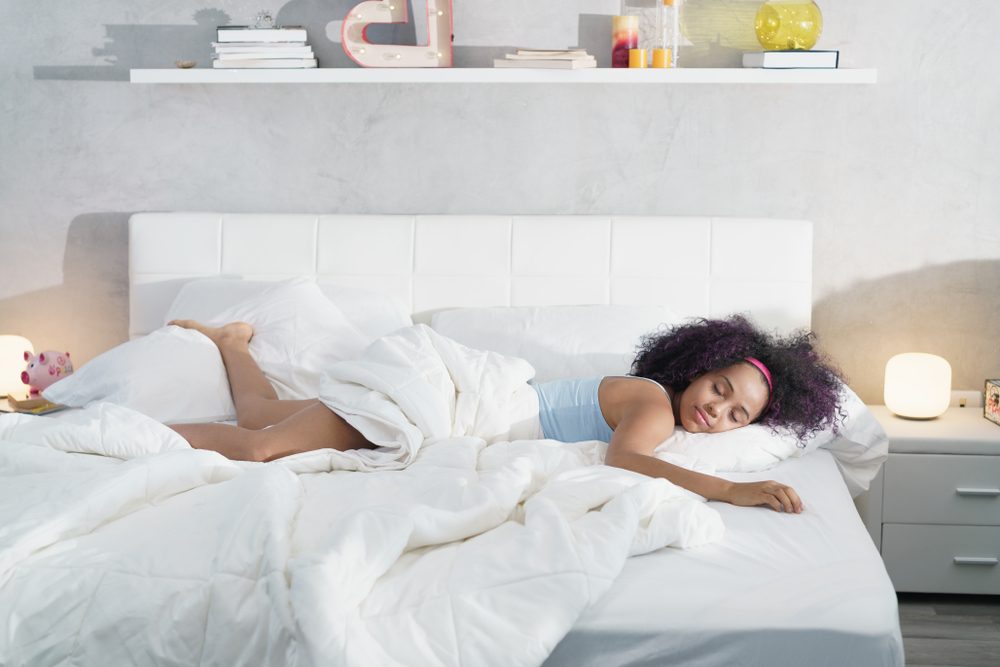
901 178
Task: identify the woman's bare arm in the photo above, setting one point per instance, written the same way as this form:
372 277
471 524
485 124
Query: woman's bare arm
645 425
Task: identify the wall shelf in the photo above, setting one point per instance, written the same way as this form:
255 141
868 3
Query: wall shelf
494 75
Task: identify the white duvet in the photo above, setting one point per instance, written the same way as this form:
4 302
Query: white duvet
119 544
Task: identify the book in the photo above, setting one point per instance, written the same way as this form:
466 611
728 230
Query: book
235 47
251 55
33 405
572 63
792 59
542 53
266 63
259 47
244 33
549 55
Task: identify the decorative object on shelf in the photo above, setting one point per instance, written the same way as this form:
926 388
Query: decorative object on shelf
12 349
658 27
185 64
264 19
991 406
262 46
792 59
637 59
624 36
547 59
437 52
917 385
45 369
788 25
668 33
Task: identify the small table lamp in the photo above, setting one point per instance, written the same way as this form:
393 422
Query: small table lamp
917 385
12 362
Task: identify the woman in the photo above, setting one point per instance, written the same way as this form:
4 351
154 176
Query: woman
707 376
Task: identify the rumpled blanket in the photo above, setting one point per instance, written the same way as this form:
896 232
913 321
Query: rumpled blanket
119 544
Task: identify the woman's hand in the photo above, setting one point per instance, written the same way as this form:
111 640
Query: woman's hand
779 497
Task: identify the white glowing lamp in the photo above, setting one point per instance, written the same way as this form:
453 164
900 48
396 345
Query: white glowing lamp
12 349
917 385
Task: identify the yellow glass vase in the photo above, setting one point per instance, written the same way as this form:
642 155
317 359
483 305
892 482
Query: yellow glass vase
788 24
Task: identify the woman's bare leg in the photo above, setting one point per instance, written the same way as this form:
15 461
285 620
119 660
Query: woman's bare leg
257 404
315 427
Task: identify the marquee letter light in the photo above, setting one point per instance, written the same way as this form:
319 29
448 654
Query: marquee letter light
437 52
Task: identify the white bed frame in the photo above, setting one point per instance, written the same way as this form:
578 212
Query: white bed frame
696 266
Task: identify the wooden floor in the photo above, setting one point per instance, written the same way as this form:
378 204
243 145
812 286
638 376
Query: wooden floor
951 630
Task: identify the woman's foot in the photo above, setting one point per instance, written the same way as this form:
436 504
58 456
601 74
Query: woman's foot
234 332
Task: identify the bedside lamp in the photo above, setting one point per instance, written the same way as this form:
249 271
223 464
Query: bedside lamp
12 363
917 385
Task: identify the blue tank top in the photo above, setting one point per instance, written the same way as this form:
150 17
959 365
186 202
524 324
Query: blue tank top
569 411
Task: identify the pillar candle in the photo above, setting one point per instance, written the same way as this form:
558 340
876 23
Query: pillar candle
624 36
637 58
661 58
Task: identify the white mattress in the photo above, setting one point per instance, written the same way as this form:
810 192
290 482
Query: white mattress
780 589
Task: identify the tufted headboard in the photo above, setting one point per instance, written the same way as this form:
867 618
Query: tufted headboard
696 266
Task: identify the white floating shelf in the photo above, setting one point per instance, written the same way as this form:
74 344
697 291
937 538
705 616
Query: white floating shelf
504 75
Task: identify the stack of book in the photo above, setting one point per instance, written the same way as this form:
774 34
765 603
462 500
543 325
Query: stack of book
245 47
547 59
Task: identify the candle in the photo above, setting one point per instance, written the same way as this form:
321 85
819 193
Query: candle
624 36
637 58
661 57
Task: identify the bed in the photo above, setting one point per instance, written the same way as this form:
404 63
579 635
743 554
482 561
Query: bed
154 554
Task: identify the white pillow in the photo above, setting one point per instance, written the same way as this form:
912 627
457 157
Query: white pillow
559 341
859 448
172 375
746 449
298 333
372 313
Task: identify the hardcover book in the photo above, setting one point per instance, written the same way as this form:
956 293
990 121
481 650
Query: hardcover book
32 405
266 63
243 33
792 59
304 54
547 63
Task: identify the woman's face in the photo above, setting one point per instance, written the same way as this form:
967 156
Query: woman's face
722 400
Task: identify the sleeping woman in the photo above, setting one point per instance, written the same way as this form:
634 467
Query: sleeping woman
707 376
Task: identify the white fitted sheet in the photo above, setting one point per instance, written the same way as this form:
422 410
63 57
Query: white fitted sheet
780 589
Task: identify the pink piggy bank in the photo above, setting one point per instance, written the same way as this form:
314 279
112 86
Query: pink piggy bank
45 369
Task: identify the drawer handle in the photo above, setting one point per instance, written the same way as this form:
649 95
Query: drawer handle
974 560
977 492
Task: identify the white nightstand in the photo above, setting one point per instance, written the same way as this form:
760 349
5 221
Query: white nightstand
934 510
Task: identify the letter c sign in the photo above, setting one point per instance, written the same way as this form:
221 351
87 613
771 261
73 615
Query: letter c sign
437 52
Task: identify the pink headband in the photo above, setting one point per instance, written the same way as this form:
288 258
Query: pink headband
759 365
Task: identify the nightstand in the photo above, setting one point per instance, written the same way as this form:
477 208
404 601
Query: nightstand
934 510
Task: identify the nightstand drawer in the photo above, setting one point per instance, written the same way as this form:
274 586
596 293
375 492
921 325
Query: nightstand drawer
942 559
942 488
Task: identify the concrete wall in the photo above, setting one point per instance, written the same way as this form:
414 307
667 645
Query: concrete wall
902 178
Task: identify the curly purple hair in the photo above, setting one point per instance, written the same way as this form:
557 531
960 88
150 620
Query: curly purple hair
806 395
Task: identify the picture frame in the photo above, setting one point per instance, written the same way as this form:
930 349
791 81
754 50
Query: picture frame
991 404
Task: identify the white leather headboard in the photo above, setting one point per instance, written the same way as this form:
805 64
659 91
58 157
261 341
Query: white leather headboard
696 266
